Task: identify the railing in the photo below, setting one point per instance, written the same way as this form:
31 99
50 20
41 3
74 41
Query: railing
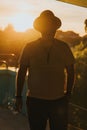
3 63
8 60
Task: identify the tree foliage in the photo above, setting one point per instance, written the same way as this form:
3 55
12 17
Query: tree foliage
80 91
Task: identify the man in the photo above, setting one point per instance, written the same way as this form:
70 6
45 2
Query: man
46 60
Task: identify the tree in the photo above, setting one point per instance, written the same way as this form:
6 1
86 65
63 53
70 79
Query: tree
9 28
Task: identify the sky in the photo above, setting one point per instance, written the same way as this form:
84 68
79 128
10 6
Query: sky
21 14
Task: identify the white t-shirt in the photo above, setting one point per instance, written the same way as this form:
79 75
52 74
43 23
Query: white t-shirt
46 67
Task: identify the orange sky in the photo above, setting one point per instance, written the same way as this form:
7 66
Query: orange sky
21 14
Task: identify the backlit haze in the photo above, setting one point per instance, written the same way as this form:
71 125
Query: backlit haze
21 14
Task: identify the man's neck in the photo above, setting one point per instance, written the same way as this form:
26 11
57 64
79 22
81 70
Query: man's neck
47 42
48 36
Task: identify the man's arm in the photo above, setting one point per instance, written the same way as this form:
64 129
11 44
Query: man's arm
70 78
20 79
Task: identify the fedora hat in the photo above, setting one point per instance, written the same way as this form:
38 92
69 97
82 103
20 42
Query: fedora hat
47 21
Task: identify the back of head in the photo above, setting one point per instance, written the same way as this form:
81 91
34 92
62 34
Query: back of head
47 21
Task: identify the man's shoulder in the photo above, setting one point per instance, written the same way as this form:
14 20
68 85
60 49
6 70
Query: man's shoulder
60 43
32 44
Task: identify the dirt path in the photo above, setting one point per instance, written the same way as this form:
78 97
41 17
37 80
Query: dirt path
10 121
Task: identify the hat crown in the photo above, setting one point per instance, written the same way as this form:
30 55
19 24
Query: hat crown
47 13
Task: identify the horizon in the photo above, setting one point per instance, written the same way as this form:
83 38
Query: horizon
32 29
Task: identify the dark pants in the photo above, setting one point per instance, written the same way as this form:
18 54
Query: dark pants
39 111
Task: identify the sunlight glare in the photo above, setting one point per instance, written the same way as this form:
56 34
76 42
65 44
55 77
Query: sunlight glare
22 22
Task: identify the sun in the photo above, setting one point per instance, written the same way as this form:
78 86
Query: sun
22 22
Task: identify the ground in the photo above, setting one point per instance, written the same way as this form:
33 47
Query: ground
11 121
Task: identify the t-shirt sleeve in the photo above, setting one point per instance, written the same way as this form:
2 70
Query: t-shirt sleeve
68 56
24 56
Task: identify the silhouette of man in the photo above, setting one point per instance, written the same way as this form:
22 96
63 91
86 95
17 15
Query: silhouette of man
46 60
85 22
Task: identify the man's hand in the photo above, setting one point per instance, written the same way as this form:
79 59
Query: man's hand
18 103
68 96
